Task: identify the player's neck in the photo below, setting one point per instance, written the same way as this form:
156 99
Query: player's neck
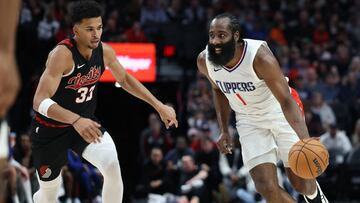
239 48
84 50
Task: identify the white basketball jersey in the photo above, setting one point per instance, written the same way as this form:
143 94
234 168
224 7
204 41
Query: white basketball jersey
247 94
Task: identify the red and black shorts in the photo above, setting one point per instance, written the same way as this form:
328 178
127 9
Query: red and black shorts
49 146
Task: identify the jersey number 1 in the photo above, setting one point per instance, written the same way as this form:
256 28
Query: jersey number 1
86 94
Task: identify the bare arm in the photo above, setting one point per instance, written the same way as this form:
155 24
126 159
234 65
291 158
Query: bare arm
134 87
9 77
222 108
8 18
267 68
59 62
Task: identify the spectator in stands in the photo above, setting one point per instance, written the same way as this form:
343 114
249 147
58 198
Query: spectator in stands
330 88
313 123
174 12
320 107
70 195
86 175
154 136
321 35
337 143
151 18
18 179
230 166
192 180
299 85
135 33
111 31
174 156
9 174
208 157
312 81
22 153
155 177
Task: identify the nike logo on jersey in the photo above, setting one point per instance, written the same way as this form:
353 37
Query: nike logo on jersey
217 68
79 66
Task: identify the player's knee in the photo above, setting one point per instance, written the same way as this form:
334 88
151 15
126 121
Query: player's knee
111 164
266 187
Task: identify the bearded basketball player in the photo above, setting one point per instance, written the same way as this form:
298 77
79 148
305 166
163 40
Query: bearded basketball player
65 102
247 79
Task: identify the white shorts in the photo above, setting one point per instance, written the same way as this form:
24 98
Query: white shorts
265 139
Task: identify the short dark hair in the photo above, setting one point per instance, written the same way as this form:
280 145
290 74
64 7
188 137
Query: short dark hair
84 9
234 24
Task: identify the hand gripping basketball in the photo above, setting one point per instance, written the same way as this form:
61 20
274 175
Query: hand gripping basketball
308 158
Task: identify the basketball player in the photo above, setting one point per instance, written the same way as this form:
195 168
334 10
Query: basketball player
246 78
65 102
9 78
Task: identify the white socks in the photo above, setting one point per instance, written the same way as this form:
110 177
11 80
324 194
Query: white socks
104 157
48 190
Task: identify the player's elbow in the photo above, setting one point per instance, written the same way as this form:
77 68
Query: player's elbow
36 103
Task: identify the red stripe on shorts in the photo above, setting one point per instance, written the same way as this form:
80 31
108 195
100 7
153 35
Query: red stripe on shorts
50 125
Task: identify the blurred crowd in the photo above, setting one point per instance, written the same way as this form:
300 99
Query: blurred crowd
317 44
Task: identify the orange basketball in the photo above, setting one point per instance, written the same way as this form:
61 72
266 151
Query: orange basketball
308 158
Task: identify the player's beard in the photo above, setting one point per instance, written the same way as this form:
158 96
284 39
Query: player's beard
227 52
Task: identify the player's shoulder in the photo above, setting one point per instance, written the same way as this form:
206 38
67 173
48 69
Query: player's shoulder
108 53
201 59
264 54
202 55
201 62
60 52
59 59
107 49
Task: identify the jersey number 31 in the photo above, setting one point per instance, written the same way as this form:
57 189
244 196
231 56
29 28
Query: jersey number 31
86 94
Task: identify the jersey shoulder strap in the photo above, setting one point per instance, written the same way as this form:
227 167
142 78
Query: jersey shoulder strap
68 43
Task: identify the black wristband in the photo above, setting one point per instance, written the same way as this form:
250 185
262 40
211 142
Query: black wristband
76 120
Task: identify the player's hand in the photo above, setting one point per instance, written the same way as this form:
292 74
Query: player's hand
9 82
225 143
88 129
168 116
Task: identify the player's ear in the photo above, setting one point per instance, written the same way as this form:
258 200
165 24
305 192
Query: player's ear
236 36
75 30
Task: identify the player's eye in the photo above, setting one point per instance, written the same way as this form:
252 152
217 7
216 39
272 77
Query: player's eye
222 36
211 36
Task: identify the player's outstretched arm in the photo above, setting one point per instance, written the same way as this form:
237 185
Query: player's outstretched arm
9 77
222 108
267 68
134 87
60 62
